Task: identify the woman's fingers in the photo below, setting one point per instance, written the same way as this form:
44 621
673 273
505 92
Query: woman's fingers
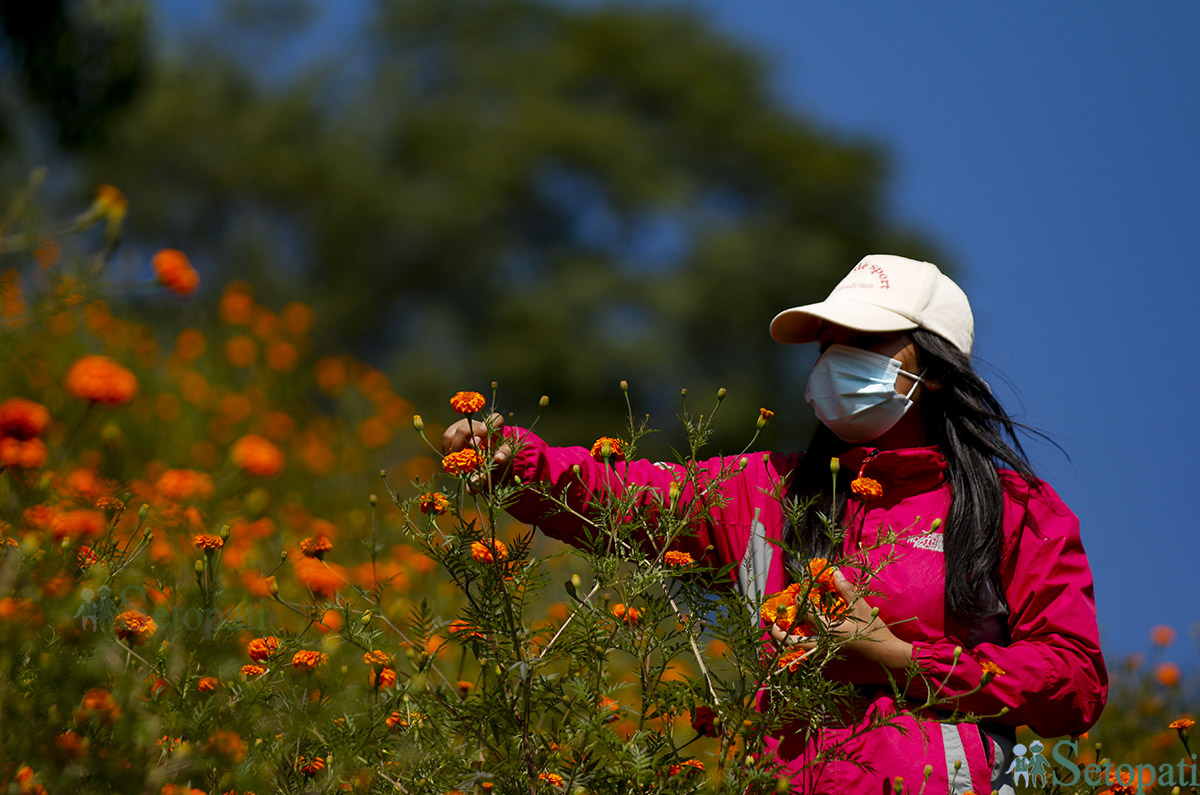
474 434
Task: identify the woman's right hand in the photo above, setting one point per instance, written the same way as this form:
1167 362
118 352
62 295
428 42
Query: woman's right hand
473 434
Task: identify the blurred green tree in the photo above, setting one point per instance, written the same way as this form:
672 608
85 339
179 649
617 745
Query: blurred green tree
552 196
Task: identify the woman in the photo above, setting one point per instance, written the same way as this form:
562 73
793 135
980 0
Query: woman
985 570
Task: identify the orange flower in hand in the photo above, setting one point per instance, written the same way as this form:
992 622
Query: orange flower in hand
467 402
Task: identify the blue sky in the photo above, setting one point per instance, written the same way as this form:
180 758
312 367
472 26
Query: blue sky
1051 149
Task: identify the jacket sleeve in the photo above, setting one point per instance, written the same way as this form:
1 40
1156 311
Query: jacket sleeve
1054 679
574 498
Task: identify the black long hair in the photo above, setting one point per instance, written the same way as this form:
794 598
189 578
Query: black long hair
976 436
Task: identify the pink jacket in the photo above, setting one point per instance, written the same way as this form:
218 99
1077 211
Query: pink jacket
1048 646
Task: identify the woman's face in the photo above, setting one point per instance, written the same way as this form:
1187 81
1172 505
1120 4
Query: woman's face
898 345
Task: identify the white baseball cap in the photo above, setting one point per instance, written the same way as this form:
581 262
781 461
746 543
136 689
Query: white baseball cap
886 293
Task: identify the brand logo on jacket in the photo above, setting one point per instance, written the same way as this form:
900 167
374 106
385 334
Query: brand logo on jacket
932 542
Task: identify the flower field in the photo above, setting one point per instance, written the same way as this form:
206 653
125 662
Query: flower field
230 565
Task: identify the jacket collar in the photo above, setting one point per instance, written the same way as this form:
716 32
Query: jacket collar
901 473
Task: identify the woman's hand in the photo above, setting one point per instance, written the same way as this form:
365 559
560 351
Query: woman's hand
873 643
473 434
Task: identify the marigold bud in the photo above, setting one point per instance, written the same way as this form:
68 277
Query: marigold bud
418 423
272 586
145 509
624 386
835 465
224 534
373 500
721 393
199 567
544 402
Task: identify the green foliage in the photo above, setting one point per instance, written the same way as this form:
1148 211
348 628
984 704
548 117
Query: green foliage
556 197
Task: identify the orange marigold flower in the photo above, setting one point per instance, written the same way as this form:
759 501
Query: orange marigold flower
207 684
310 767
763 416
101 380
23 419
434 502
467 402
606 448
1183 723
255 455
1167 674
609 709
1162 636
630 615
184 484
553 779
227 744
461 463
792 659
19 454
251 671
85 557
208 541
377 657
323 579
464 630
989 671
676 558
386 678
262 649
399 720
690 764
866 488
309 660
77 524
98 703
821 571
316 546
282 356
485 552
781 609
175 272
134 626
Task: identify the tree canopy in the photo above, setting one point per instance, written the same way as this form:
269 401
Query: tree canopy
556 197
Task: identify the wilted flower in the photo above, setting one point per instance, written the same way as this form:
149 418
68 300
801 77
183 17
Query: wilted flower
434 503
704 721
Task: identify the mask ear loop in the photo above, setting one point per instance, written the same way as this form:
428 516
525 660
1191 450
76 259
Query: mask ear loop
917 381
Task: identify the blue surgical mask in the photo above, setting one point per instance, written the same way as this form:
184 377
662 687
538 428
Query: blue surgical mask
853 392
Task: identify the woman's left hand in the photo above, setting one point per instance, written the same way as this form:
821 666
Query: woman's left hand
868 642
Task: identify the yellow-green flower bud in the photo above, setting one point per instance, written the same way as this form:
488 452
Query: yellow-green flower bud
835 465
544 402
224 534
418 423
721 393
